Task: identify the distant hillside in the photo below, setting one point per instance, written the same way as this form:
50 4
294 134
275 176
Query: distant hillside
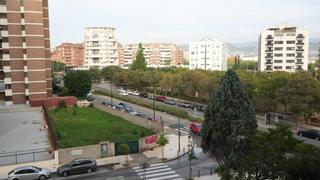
251 48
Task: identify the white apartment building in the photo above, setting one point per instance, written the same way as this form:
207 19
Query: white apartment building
284 48
208 54
100 47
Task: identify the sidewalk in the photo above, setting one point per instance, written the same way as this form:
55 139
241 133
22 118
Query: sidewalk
152 156
208 177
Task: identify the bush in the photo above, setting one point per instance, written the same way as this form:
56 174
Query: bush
91 105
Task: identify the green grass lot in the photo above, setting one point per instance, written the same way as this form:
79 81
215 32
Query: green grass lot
88 126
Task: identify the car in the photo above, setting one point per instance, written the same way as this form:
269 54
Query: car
29 172
135 93
108 104
142 115
124 107
160 98
77 166
170 101
132 112
184 104
124 93
151 97
143 95
311 133
120 90
195 128
200 108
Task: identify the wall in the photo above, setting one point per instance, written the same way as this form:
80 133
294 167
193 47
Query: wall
53 101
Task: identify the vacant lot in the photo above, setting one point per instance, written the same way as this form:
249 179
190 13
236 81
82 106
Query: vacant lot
87 126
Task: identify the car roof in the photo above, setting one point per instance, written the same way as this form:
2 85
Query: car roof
83 159
23 167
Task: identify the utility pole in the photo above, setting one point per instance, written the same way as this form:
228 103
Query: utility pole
153 98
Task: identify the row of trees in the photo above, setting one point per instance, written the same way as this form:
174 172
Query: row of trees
297 93
229 134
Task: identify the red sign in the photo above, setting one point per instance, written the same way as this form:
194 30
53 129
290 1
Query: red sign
151 139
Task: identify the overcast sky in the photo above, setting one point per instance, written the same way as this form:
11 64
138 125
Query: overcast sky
179 21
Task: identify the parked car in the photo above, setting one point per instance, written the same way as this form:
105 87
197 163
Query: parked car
152 97
156 119
143 95
108 104
195 128
170 101
184 104
124 93
199 107
135 93
77 166
132 112
160 98
311 133
142 115
29 172
124 107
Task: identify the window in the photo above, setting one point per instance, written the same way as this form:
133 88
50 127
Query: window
290 55
75 164
85 162
290 61
8 98
278 67
7 86
291 42
278 42
289 67
3 16
278 55
277 61
278 48
290 48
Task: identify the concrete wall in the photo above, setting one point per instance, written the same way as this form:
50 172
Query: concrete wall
94 151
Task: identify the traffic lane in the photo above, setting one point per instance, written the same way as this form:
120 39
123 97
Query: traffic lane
191 112
167 119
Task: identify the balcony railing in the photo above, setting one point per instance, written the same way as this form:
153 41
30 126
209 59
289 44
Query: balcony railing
300 56
300 49
269 56
300 36
268 50
299 62
300 43
269 44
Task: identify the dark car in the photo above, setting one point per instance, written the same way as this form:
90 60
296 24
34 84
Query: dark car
199 107
160 98
170 101
124 107
311 133
143 95
77 166
195 128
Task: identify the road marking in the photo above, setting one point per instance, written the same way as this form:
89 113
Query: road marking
152 168
160 174
154 171
166 177
159 171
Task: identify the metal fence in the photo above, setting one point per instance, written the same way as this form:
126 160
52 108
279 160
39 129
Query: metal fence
25 156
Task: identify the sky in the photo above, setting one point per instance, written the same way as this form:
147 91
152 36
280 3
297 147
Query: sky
179 21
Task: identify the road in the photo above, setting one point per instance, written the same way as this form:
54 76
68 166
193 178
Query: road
170 120
177 169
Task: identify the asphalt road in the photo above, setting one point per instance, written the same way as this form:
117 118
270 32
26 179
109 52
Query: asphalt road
176 169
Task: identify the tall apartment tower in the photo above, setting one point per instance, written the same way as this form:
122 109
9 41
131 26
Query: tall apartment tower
284 48
100 47
208 54
25 68
156 54
68 53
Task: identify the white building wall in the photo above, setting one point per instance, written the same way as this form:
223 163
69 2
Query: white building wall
100 47
208 54
281 49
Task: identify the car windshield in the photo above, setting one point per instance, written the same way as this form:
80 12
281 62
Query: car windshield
10 172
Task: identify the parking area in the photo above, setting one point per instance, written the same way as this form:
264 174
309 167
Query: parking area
23 137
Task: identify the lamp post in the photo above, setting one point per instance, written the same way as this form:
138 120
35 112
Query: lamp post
111 94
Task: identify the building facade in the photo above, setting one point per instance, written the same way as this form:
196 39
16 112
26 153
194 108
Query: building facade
283 48
100 47
208 54
156 54
25 68
68 53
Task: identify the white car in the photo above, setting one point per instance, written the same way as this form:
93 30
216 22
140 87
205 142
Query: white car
135 93
124 93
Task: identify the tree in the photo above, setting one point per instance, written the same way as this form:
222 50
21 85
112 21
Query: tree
229 125
191 157
95 74
78 83
140 61
57 66
124 150
267 156
162 141
108 72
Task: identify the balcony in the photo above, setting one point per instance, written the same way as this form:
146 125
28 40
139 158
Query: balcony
300 49
300 36
299 56
2 86
268 57
269 44
269 37
269 62
300 43
269 50
299 62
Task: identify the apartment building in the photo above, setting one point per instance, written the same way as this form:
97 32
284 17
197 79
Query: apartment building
25 69
156 54
68 53
284 48
208 54
100 47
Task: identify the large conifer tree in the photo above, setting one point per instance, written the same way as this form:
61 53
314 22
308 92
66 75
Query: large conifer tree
140 61
230 123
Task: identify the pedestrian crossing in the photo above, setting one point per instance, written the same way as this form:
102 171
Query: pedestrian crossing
159 171
184 130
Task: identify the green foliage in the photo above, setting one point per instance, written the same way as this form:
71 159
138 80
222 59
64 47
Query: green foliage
78 83
162 141
124 149
91 126
276 154
95 74
108 72
230 122
140 62
61 105
57 66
